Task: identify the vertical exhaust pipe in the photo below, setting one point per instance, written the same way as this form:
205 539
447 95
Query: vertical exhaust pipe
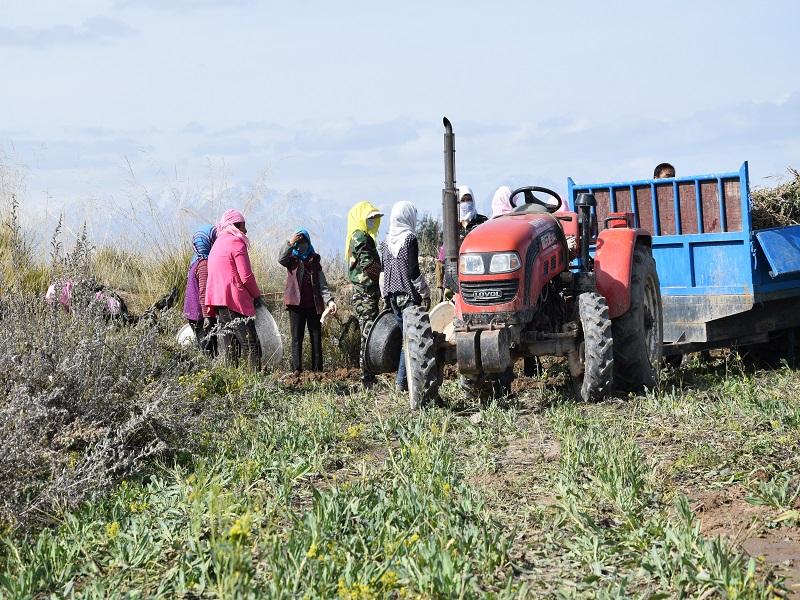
450 209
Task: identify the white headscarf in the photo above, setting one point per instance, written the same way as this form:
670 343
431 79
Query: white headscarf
402 223
501 202
466 210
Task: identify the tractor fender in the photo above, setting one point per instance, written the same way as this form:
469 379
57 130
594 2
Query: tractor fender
613 259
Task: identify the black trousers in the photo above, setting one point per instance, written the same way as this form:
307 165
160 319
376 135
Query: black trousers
206 341
299 318
241 329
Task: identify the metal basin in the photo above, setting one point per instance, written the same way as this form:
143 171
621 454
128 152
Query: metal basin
384 340
442 316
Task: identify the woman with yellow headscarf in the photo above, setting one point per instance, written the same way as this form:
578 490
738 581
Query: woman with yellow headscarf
364 270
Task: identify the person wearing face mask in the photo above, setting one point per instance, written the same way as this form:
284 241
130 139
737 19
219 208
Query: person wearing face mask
468 216
364 271
468 219
232 292
305 296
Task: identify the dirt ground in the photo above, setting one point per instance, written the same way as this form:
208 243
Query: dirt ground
337 376
727 513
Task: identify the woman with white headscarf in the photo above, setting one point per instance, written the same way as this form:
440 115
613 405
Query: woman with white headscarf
404 284
468 219
468 216
501 201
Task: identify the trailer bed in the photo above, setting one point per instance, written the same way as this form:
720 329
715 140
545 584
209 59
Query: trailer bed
721 282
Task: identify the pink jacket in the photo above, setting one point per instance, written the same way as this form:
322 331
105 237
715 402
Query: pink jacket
231 282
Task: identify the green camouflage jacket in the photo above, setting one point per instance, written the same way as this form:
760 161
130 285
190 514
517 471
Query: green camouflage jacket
364 267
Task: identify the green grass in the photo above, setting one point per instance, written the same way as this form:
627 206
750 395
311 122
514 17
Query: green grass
329 491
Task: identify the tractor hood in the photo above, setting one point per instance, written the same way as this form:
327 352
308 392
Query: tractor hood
507 233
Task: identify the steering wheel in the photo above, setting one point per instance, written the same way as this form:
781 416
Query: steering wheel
531 199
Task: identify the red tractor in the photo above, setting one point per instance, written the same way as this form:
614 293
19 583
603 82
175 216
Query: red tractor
539 281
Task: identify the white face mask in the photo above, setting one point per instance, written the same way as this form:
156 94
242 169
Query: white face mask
466 210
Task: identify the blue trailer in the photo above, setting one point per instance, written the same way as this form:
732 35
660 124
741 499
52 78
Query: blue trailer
722 284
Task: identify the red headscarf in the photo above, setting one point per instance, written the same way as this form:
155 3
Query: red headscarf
227 224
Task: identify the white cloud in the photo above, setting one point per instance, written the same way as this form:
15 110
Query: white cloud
316 170
182 6
94 30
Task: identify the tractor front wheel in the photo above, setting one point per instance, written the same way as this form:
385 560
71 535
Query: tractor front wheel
597 348
419 349
638 333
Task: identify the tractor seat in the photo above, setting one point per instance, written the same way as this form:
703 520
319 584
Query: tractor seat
529 209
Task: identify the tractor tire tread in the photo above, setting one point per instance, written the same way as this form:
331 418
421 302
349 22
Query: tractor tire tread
598 377
422 368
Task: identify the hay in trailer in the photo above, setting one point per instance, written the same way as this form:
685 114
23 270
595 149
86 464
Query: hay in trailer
777 206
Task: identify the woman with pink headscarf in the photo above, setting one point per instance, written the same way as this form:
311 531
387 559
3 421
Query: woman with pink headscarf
232 291
501 201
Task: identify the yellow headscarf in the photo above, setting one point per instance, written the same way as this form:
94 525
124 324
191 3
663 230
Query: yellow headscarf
357 221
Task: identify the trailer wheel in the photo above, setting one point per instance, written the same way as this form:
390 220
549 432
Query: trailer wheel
638 333
597 348
781 347
419 348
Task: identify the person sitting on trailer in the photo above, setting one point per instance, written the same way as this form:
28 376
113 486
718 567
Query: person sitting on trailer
664 171
667 171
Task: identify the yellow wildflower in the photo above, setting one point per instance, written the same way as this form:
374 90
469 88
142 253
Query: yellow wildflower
112 530
138 506
240 530
389 579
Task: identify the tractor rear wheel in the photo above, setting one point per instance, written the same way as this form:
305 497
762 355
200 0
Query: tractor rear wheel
419 349
638 333
597 348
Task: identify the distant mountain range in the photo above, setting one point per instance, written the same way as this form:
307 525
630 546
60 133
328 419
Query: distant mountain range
143 223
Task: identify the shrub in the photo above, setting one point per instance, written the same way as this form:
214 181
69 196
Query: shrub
84 400
429 234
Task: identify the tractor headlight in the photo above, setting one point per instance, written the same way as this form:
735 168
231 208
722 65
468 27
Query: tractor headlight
471 264
504 262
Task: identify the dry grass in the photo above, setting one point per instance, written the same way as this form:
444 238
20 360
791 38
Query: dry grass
777 206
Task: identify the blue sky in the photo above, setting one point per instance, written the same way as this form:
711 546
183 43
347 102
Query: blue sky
300 109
